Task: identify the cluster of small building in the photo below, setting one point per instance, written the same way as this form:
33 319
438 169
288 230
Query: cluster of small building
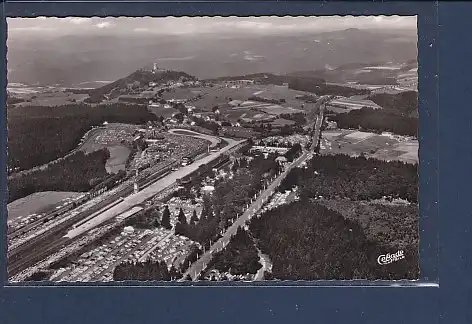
285 141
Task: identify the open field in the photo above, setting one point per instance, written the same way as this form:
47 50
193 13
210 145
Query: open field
118 156
53 97
38 203
383 147
221 94
280 122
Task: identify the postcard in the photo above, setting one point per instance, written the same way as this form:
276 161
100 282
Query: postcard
215 149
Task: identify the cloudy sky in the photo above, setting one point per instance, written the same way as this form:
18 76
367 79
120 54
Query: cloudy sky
194 25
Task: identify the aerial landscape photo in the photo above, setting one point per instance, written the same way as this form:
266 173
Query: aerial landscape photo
212 149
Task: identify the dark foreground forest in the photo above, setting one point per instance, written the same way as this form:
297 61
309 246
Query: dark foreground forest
341 235
79 172
307 241
37 135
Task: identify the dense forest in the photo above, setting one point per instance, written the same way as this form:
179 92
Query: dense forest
341 176
391 224
37 135
239 257
79 172
342 249
403 103
368 119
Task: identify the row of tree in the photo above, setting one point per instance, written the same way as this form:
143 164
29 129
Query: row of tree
321 88
298 118
146 271
228 200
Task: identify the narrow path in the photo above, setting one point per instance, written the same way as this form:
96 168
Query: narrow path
266 265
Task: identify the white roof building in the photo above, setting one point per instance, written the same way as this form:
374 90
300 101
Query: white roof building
281 159
208 189
128 230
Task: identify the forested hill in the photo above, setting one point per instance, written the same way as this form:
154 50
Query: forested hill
140 78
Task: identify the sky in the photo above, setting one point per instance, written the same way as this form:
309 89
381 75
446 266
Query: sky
197 25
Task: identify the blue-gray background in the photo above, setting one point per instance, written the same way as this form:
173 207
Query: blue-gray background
445 50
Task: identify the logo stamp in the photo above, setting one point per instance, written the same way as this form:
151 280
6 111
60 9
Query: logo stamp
388 258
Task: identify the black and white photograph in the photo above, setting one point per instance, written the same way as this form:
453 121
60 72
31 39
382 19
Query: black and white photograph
216 149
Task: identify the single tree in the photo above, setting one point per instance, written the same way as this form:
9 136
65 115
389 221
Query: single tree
165 222
164 270
174 273
181 217
194 218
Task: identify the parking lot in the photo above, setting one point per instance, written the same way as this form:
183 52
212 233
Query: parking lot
137 245
286 141
170 147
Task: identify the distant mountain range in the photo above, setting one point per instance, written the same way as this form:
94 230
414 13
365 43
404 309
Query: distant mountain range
75 60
